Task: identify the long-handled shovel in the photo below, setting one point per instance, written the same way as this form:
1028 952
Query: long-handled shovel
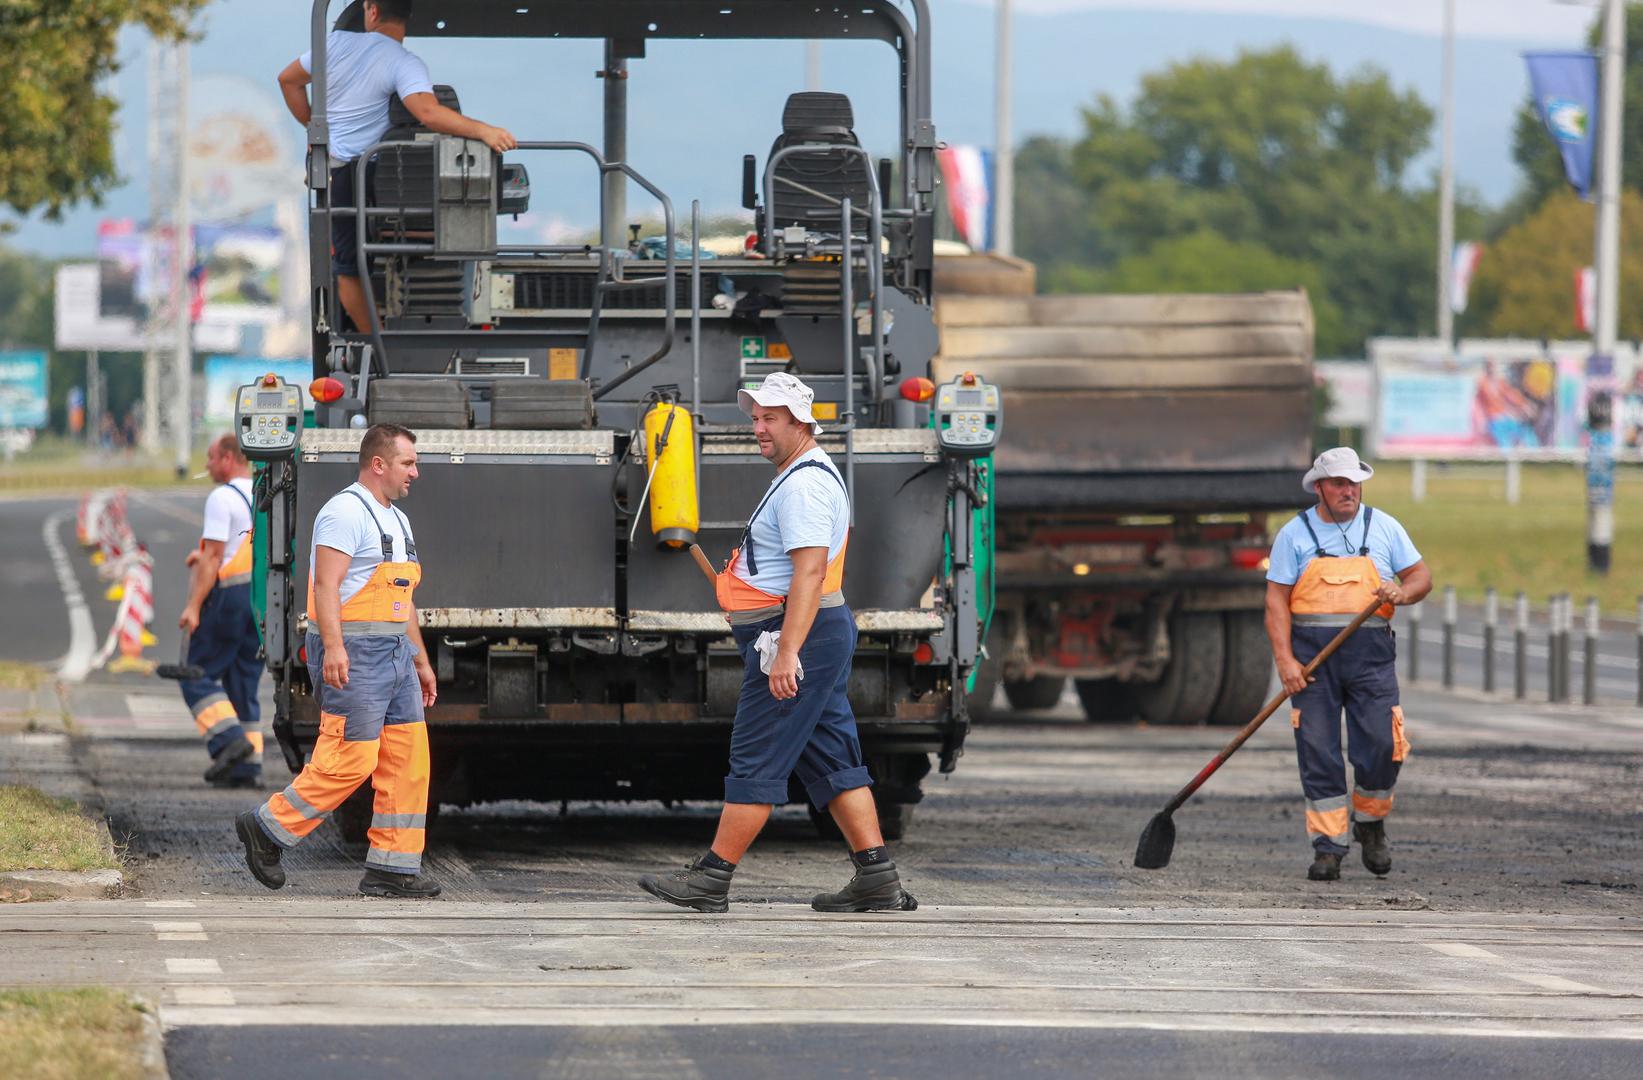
182 670
1158 838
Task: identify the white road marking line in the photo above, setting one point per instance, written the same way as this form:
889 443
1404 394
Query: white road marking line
1554 982
180 931
168 903
1466 952
192 966
203 995
82 635
169 706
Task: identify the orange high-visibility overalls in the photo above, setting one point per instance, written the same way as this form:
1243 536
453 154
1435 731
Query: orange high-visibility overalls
1361 677
372 727
224 647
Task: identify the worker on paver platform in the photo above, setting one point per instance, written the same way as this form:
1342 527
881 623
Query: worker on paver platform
223 640
371 676
1326 566
363 72
781 590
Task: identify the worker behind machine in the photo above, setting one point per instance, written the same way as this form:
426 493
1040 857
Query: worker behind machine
363 72
223 640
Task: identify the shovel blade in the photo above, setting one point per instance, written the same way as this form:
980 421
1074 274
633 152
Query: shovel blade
1157 843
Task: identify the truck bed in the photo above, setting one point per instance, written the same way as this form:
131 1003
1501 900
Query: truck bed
1140 402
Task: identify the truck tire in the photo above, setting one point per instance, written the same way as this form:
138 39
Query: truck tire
1043 692
1192 681
1106 701
1248 669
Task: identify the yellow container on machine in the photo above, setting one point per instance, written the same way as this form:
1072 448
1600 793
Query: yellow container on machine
670 455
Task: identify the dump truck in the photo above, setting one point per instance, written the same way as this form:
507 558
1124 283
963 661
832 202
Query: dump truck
577 425
1151 440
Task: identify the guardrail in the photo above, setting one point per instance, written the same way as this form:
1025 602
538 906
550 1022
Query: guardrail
1559 629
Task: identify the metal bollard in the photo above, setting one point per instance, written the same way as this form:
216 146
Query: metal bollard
1520 646
1589 671
1551 647
1491 616
1565 626
1415 642
1450 614
1640 650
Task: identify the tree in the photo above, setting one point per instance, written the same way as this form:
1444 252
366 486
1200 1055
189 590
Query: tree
56 131
1273 155
1537 155
1525 283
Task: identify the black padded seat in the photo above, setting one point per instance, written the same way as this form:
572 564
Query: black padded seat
823 122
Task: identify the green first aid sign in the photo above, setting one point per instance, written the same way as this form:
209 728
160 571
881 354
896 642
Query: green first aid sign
752 348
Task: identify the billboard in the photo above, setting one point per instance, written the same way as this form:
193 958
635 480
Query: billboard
1487 399
238 270
23 401
224 375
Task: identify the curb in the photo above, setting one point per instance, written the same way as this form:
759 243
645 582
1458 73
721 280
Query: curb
152 1060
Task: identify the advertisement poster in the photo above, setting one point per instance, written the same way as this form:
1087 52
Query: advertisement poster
23 401
224 375
1490 400
239 272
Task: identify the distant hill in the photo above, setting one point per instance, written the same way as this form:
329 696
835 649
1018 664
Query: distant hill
697 107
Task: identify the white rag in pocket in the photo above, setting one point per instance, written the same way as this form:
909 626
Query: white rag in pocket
765 645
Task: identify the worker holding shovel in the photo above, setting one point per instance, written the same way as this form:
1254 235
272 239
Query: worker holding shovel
1328 564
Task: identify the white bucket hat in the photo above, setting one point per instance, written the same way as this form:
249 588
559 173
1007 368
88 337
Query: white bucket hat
1340 461
780 388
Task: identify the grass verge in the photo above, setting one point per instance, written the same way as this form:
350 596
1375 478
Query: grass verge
38 832
1472 539
68 1034
15 675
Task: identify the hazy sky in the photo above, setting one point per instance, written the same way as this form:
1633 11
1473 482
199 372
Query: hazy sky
1528 19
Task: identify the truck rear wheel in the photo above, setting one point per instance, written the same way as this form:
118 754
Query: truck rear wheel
1106 701
1248 669
1043 692
894 820
1192 681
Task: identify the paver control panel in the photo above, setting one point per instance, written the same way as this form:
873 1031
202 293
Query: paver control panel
969 416
268 418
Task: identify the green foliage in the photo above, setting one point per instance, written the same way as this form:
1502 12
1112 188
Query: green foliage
1525 281
56 131
1265 171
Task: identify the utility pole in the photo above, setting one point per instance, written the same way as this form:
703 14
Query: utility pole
1446 186
1600 366
1003 140
812 65
169 329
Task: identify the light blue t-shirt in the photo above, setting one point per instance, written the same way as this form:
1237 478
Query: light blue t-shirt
345 525
808 510
362 72
1389 545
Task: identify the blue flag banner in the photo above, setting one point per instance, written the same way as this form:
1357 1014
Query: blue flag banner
1564 86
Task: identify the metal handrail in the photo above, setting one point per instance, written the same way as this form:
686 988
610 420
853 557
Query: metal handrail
363 214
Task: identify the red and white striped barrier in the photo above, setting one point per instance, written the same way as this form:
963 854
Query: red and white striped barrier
130 633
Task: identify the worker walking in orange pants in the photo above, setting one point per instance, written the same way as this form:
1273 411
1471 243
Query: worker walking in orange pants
372 677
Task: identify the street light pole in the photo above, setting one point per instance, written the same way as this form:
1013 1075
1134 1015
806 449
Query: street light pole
1446 185
1600 366
1003 140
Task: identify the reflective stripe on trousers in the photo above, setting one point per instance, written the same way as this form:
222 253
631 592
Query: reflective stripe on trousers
1359 679
372 728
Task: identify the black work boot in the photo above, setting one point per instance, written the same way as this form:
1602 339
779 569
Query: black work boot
224 760
1377 853
402 886
1326 866
262 855
698 885
875 887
